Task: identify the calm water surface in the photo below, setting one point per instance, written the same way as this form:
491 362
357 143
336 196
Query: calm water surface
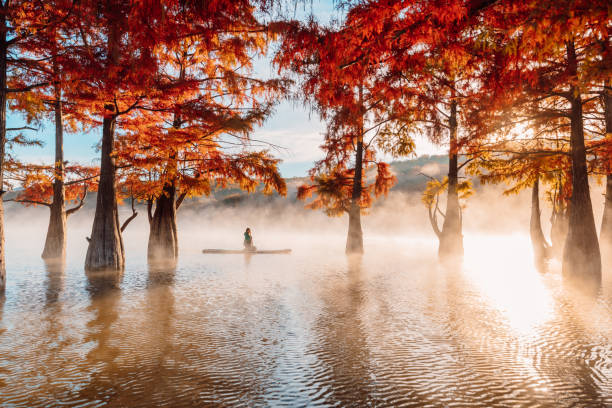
314 328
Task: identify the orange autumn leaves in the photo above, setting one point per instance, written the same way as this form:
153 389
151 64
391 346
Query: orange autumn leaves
179 83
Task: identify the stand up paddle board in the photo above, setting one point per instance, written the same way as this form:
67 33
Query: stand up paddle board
244 251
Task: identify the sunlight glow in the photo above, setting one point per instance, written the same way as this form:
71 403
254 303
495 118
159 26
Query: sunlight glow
514 286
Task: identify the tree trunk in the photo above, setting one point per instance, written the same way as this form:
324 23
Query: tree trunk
605 235
558 231
163 237
540 246
354 239
105 251
581 257
55 243
451 238
3 56
163 240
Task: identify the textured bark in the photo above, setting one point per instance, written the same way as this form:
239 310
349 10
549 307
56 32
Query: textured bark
605 235
581 256
540 246
105 251
55 243
163 239
354 238
451 237
3 57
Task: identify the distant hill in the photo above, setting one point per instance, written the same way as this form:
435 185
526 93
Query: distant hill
408 173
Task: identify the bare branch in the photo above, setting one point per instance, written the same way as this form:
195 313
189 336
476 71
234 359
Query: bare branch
69 183
20 128
30 202
80 205
180 199
150 209
134 214
27 88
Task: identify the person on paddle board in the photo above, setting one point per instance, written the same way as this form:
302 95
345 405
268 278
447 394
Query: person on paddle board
248 240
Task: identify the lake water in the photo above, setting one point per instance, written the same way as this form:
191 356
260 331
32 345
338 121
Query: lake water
313 328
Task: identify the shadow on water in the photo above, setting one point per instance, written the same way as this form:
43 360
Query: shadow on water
54 342
583 365
161 273
3 372
158 356
133 359
54 281
2 300
546 340
141 350
387 329
104 294
341 341
571 351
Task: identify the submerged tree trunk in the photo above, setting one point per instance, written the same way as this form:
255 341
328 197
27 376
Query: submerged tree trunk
354 239
605 235
540 246
3 57
163 239
105 251
558 231
55 243
581 256
451 237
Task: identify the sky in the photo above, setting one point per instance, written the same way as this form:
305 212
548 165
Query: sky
292 127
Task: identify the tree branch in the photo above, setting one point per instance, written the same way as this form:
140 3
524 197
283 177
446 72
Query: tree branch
20 128
26 88
150 209
434 221
69 183
134 214
80 205
180 199
30 202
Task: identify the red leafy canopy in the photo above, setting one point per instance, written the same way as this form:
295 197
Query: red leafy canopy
197 135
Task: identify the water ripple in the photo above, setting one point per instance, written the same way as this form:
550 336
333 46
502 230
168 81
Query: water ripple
391 329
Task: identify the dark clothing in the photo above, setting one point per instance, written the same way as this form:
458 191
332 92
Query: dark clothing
248 240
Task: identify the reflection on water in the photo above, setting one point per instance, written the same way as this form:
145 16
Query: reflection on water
55 281
391 328
340 343
247 258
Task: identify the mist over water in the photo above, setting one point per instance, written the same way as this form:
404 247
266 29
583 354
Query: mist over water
314 328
